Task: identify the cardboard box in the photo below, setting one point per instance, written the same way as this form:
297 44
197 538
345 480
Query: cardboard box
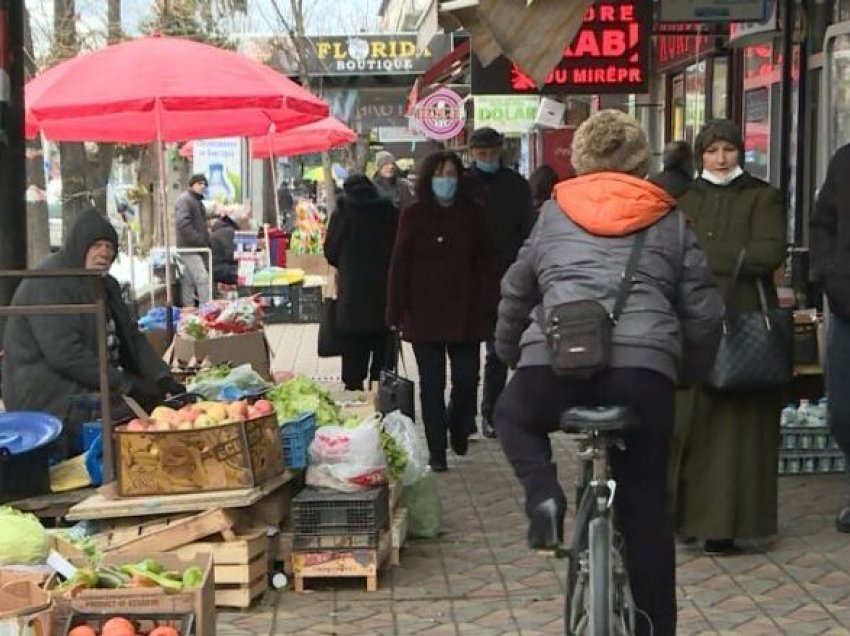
126 602
249 348
158 340
312 264
224 457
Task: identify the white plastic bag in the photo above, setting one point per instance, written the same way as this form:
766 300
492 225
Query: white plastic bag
403 430
347 459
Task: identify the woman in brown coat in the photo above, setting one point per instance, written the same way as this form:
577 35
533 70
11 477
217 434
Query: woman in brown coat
725 447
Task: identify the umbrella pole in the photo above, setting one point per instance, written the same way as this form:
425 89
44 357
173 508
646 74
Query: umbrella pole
166 230
272 163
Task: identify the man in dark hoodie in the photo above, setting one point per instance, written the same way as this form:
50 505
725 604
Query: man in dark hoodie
51 358
389 182
506 196
190 218
223 237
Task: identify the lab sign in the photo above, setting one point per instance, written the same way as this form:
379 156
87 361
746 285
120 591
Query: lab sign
506 113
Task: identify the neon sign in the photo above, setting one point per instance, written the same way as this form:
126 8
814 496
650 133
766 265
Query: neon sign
609 54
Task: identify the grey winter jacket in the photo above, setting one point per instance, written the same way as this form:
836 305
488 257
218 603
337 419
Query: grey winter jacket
579 251
50 358
190 217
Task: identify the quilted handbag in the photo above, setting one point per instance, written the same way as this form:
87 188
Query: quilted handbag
395 391
757 347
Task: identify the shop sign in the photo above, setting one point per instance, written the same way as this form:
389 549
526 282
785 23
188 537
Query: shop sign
680 44
368 108
440 115
506 113
609 54
382 54
749 33
712 10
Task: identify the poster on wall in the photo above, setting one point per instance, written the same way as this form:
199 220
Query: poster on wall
506 113
609 54
221 161
557 150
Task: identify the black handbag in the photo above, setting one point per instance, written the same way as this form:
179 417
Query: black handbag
395 391
757 347
330 342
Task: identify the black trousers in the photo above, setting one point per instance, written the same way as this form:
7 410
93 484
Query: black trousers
495 376
363 356
459 415
530 409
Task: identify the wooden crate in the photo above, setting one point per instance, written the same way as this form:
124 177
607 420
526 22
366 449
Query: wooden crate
285 549
240 567
398 535
166 533
354 563
395 489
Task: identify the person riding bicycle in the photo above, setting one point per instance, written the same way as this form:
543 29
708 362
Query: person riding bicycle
578 251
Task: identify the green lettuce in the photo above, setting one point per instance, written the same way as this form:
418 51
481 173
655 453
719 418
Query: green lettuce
22 539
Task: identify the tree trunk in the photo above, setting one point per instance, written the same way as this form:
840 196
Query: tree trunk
328 183
75 198
149 221
38 225
269 195
113 21
100 170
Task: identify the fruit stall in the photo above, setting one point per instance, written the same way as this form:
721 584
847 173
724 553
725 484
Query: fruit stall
250 482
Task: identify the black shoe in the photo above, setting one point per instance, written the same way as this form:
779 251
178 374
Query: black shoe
459 443
487 429
842 521
546 525
719 547
438 463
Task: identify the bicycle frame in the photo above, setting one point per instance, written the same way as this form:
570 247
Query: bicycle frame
595 487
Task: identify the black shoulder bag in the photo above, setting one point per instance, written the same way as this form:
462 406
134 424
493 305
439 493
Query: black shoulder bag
578 333
757 347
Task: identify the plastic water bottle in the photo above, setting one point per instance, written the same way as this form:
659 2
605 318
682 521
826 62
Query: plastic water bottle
817 414
804 413
788 416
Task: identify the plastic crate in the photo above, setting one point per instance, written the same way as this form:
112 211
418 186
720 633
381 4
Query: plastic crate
307 304
143 621
319 511
296 436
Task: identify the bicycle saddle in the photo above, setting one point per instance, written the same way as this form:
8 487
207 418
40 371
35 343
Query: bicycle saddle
603 419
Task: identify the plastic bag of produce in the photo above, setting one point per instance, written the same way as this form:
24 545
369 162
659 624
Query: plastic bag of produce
22 538
238 383
402 429
423 507
347 459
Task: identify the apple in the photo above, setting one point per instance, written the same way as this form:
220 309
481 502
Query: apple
217 412
189 414
163 414
263 407
185 426
204 421
160 426
237 410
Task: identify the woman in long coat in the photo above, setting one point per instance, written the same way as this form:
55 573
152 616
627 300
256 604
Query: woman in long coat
725 446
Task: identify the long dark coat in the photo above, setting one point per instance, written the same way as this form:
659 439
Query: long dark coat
359 243
444 274
725 446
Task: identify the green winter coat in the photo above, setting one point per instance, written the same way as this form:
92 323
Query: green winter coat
724 452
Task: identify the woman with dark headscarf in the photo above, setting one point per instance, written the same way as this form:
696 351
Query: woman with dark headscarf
542 181
724 454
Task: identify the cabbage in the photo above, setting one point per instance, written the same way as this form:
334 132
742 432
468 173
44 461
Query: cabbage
23 539
301 395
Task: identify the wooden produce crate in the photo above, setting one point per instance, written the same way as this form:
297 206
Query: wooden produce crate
164 534
240 566
398 535
224 457
350 563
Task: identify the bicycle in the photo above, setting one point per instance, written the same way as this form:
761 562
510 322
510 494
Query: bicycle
599 600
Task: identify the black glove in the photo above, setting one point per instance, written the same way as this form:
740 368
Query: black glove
145 392
170 386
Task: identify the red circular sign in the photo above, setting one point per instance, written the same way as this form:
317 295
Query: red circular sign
441 114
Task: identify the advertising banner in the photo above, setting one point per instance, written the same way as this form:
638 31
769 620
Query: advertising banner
712 10
609 54
506 113
221 160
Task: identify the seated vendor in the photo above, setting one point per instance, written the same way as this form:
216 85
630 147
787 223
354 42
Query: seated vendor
223 241
51 358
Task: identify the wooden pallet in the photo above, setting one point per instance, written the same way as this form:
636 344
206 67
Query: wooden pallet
353 563
164 534
240 566
398 535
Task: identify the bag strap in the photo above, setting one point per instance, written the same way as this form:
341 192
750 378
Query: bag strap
628 276
736 274
395 352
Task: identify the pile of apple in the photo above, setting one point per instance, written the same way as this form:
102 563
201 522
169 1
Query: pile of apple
200 415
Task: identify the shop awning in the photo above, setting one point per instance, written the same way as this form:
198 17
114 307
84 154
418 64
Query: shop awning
448 67
501 27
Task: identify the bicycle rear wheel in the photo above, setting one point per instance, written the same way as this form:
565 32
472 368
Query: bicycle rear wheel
601 599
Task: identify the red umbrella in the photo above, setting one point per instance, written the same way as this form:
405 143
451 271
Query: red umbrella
167 89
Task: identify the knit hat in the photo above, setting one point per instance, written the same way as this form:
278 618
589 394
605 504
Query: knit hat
197 178
485 137
383 158
718 130
611 141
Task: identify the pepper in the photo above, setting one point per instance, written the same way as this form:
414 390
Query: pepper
163 581
192 577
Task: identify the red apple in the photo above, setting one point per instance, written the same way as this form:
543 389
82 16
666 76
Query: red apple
264 407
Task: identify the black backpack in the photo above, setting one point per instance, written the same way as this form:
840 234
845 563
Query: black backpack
578 333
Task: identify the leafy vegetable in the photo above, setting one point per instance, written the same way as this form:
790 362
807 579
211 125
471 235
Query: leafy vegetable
301 395
395 455
22 538
192 577
212 373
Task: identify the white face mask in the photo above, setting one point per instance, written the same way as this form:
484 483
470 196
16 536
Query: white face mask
722 180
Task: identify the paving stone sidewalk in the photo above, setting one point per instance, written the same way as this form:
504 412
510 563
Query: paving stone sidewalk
480 579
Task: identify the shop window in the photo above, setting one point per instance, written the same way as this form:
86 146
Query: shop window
839 75
677 107
694 100
757 132
720 89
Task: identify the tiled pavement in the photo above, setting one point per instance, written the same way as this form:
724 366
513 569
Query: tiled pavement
480 579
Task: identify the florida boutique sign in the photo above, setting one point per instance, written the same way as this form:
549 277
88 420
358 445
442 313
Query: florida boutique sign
609 54
384 54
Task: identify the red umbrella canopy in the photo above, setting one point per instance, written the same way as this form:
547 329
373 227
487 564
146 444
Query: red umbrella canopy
316 137
182 89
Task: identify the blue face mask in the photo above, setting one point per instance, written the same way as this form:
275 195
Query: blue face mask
444 188
490 167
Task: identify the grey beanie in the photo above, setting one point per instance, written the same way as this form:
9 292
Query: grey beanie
718 130
611 141
383 158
